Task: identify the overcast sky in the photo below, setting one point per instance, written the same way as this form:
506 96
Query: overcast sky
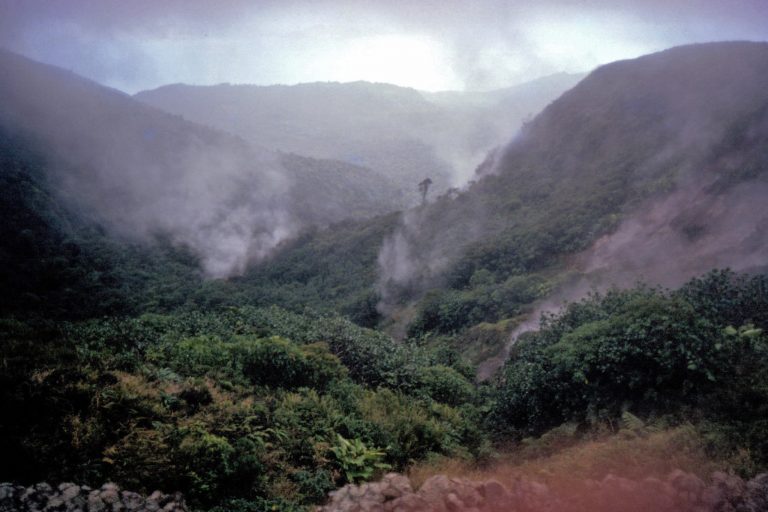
427 44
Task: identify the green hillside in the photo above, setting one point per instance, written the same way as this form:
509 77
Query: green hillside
623 141
123 357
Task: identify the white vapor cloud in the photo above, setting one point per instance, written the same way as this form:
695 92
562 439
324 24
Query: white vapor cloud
428 44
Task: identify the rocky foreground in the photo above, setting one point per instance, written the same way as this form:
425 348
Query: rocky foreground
679 492
70 497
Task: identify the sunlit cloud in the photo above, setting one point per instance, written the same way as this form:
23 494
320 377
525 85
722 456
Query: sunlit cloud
426 44
397 58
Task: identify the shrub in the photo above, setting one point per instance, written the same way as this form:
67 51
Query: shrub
650 351
357 462
446 385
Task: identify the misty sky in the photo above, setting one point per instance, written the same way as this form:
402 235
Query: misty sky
427 44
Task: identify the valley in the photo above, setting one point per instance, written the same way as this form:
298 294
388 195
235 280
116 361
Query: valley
236 292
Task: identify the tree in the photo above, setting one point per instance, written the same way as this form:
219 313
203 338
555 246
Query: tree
424 188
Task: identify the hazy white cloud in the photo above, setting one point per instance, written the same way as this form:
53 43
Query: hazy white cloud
428 44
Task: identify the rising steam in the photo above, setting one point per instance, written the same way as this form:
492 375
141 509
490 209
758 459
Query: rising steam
686 127
142 173
666 242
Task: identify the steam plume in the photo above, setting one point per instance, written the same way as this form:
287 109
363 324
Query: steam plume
143 173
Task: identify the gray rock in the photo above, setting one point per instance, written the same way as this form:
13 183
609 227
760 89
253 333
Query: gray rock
390 493
35 497
373 493
469 495
95 504
78 503
43 488
409 503
688 486
8 492
757 492
132 500
69 491
395 485
109 496
55 504
368 506
434 491
69 497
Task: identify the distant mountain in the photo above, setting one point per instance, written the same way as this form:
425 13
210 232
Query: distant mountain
326 191
402 133
654 168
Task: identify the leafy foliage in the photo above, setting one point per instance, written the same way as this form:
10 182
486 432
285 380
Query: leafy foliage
357 462
219 405
118 361
647 351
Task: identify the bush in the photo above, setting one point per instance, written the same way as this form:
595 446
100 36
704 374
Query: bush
278 363
357 462
446 385
274 362
646 350
408 429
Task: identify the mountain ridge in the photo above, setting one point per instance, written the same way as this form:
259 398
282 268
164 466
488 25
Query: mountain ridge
400 132
129 361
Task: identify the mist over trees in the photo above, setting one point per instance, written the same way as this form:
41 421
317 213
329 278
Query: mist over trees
395 131
640 172
255 295
144 174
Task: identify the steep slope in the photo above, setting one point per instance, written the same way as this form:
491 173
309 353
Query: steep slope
402 133
668 149
107 160
141 172
57 262
673 143
664 156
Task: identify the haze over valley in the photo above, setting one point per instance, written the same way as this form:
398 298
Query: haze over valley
424 255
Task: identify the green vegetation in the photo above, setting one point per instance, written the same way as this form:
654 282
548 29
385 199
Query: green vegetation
262 406
357 462
698 354
328 191
119 361
222 407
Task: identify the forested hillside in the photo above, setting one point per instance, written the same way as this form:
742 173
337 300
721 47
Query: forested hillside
651 169
178 313
228 201
614 147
